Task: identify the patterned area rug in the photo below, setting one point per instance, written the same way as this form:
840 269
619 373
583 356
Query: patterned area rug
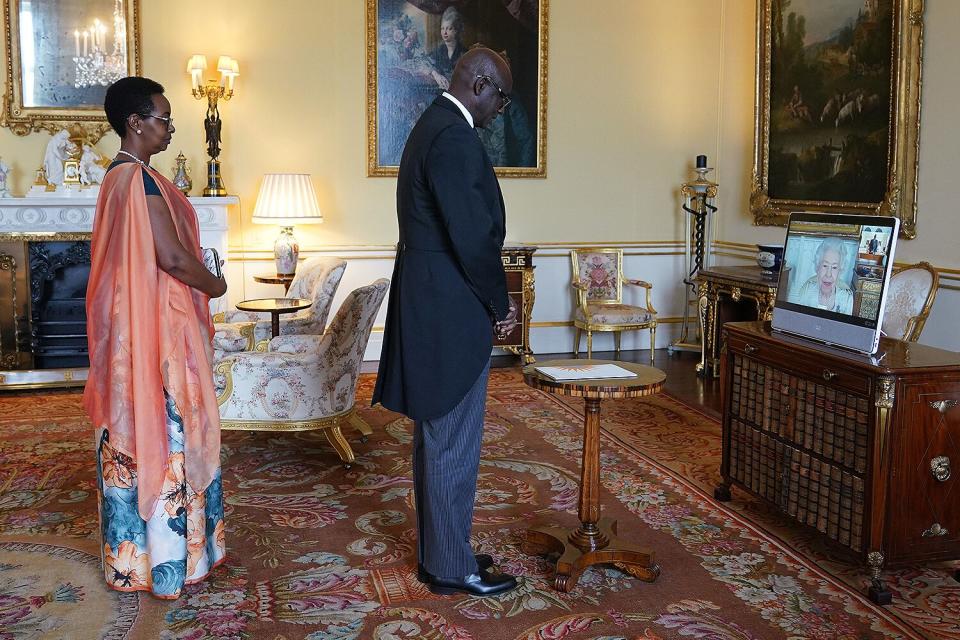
317 552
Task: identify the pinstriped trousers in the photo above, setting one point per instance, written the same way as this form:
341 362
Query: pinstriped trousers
446 460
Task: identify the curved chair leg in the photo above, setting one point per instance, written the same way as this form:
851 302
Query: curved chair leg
589 344
653 341
576 342
357 423
340 444
616 345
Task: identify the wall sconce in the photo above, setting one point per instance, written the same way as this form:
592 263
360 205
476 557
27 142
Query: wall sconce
213 91
287 199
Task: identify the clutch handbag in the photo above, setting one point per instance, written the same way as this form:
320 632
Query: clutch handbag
211 260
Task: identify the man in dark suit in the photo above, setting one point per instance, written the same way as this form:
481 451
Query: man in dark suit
447 298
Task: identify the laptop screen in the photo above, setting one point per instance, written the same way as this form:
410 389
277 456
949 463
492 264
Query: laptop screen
836 266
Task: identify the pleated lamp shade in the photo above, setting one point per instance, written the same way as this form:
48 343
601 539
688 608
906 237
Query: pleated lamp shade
287 199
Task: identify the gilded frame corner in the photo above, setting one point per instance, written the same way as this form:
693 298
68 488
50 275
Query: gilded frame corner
900 196
25 120
375 169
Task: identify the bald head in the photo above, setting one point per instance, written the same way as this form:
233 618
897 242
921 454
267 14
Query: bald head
482 82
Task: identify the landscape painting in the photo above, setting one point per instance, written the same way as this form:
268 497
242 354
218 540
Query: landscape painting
837 108
830 99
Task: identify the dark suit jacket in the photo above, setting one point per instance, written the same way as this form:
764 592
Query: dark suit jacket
448 284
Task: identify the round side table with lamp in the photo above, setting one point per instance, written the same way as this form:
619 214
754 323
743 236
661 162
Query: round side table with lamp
286 199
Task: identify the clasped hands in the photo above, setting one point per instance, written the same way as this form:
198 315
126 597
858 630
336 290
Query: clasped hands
503 328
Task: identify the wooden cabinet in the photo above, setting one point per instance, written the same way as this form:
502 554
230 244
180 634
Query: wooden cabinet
863 449
518 265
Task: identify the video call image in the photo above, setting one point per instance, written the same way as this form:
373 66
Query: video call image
835 267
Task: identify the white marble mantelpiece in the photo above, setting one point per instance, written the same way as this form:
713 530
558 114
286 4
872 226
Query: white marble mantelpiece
53 214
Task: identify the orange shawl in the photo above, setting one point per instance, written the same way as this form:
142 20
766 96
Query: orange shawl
147 332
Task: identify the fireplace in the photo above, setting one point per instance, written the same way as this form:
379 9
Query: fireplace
58 317
44 267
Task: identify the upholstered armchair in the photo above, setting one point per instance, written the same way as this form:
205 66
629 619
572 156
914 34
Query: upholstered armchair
317 279
598 282
303 382
911 294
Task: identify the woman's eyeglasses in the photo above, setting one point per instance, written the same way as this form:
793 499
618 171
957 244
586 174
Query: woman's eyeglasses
169 121
505 98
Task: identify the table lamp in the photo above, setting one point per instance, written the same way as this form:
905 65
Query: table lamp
287 199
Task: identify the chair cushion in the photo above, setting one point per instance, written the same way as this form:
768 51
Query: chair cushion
614 314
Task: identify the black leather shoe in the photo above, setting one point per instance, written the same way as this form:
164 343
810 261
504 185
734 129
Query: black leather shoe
475 584
484 562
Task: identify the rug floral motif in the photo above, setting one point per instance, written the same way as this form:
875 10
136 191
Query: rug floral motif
318 552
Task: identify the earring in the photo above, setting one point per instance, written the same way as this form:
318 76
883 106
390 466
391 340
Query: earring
139 132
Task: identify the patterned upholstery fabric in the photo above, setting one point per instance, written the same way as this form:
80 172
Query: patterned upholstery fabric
302 378
317 279
613 314
908 292
599 272
229 337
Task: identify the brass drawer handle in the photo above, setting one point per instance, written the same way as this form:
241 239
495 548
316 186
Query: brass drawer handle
944 405
749 348
935 531
829 375
940 468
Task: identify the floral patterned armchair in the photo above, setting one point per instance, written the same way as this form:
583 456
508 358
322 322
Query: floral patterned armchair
303 382
598 282
911 294
317 279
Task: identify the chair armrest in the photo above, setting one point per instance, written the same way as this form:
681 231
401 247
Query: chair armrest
233 336
646 285
219 317
298 344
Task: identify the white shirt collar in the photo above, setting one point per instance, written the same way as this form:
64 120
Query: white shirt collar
466 114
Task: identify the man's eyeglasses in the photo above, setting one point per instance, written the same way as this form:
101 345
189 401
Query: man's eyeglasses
169 121
505 98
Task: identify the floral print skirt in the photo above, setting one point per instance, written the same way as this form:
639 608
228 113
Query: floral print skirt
181 542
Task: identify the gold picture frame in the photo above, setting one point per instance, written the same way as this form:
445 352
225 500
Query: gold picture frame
402 42
51 101
845 127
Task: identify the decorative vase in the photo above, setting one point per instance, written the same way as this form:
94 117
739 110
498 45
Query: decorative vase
181 178
286 250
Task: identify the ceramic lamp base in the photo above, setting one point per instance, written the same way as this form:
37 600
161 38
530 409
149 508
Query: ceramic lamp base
286 251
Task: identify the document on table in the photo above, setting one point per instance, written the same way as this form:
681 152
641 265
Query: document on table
586 372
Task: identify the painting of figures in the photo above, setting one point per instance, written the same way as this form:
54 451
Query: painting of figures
838 108
412 49
830 99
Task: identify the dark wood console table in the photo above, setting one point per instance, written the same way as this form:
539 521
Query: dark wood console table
729 294
859 448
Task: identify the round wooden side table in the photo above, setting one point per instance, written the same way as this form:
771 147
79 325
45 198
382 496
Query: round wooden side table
275 307
595 541
284 279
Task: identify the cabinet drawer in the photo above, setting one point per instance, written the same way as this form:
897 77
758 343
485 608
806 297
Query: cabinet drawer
817 369
514 281
925 479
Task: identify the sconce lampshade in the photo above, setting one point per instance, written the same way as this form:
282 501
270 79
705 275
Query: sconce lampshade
287 199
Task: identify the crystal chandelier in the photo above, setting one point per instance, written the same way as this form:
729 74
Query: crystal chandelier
97 66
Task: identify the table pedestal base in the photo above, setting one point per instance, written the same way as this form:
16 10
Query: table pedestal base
578 553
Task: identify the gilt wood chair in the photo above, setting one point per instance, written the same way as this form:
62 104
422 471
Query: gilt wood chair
912 291
598 281
303 382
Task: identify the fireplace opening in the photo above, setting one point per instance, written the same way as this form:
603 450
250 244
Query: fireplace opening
58 317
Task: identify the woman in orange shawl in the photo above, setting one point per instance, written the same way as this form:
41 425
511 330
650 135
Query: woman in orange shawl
150 388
